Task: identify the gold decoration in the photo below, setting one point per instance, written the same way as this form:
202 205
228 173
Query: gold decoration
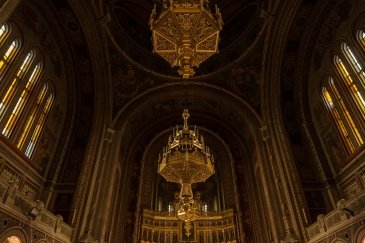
186 160
191 28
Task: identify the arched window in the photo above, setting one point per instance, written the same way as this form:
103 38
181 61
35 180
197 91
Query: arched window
24 104
355 64
10 91
20 103
9 55
4 32
13 239
345 124
361 38
351 85
39 125
32 117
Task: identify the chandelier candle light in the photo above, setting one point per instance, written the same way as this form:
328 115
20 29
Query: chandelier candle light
185 33
186 160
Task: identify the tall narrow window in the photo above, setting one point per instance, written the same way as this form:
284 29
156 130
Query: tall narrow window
9 94
9 55
351 86
4 32
353 60
39 126
10 124
32 117
345 124
361 38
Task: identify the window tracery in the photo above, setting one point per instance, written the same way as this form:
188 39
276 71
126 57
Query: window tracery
4 32
354 62
345 124
23 107
351 86
9 55
8 97
39 125
19 105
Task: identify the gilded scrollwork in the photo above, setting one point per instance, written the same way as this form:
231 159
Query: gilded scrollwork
208 44
186 22
204 29
169 29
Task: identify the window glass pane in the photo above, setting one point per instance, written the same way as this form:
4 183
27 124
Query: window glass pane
8 56
342 117
31 118
361 38
18 108
353 60
339 123
4 31
39 126
351 86
9 93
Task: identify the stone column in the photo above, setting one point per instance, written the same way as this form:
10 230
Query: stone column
105 197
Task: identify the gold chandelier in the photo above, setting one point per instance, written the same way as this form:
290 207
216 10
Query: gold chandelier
186 160
185 33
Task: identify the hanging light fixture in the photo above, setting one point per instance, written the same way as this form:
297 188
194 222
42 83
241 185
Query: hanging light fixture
185 33
186 160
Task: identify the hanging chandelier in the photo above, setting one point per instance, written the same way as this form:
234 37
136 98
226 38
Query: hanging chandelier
185 33
186 160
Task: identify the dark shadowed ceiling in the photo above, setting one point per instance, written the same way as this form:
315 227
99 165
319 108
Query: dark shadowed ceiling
132 35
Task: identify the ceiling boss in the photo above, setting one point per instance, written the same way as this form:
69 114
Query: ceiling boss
185 33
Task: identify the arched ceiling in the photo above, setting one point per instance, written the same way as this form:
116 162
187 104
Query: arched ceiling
129 30
149 95
215 109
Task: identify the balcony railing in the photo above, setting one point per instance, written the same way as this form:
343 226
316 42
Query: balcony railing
22 207
347 215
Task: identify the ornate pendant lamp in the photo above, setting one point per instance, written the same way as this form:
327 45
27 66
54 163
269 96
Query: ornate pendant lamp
185 33
186 160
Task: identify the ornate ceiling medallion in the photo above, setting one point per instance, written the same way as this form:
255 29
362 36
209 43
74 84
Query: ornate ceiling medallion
185 33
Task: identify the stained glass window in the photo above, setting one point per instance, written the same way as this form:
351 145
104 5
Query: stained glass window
32 116
10 91
344 122
4 32
39 126
9 55
24 104
361 38
354 61
351 85
10 124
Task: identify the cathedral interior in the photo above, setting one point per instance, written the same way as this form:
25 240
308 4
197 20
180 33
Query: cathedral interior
87 104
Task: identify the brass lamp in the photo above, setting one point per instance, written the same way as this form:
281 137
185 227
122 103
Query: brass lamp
185 33
186 160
